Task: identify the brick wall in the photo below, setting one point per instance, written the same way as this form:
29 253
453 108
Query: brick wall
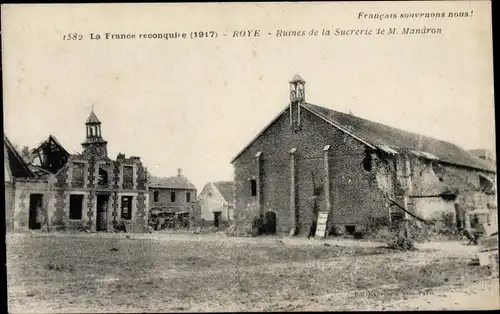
354 195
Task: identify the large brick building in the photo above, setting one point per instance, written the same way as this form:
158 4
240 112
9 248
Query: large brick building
56 190
311 160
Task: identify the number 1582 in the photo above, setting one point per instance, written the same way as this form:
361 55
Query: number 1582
73 36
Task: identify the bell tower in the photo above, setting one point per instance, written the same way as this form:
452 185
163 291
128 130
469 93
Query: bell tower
94 144
297 97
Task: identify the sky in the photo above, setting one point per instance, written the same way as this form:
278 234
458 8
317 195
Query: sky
194 104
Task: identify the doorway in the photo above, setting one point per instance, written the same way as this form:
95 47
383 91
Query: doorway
217 216
35 215
102 212
270 222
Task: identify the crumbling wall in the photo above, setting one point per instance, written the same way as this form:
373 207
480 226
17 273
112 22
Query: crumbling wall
23 189
9 206
359 187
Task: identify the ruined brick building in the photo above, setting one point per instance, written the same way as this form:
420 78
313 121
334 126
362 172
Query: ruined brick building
56 190
312 162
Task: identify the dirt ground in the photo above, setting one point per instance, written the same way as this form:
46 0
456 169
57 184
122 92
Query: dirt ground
196 273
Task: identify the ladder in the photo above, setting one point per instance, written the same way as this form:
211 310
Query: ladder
321 225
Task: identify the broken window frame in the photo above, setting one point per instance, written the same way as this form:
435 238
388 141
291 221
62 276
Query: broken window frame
76 179
126 207
128 180
103 182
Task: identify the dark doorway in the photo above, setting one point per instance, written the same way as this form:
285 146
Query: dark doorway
35 216
102 212
349 230
217 218
270 221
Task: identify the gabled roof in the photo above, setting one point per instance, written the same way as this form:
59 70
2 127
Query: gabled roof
177 182
13 160
392 140
226 190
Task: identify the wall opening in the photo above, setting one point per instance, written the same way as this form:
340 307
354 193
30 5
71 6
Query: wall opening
103 176
172 196
77 179
127 207
367 161
217 216
156 196
35 215
253 187
75 206
270 222
102 212
188 197
128 177
349 230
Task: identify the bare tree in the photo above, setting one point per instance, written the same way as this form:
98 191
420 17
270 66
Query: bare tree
25 152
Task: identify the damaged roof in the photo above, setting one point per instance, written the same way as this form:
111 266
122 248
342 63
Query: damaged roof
17 167
226 190
392 140
178 182
380 135
50 155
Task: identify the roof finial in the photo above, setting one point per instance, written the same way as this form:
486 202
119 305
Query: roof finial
92 109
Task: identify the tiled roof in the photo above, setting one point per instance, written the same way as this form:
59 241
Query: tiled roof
392 139
226 189
177 182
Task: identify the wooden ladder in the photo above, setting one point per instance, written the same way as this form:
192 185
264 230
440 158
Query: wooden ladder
321 225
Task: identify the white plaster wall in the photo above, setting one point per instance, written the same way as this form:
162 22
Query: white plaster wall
210 204
430 207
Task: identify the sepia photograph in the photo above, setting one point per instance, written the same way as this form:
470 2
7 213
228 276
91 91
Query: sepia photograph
249 157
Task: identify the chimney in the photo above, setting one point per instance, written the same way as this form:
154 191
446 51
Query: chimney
179 172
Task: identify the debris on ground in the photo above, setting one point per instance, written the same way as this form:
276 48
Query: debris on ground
239 228
60 267
401 244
